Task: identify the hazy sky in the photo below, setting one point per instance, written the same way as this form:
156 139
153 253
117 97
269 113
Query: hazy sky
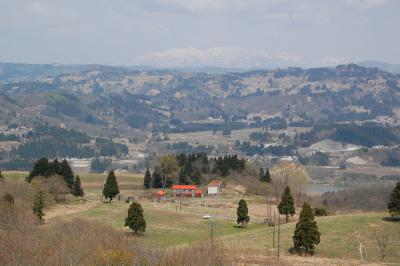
236 33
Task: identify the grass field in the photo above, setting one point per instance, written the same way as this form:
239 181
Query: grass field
168 226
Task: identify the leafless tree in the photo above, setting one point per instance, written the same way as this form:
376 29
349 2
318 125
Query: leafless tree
361 248
382 239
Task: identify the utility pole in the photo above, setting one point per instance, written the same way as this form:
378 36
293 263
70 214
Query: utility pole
273 234
279 233
102 188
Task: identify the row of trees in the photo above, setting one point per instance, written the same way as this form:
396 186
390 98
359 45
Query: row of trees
306 234
189 169
45 168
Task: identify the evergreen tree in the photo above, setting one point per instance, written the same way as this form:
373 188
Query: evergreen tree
67 174
78 192
38 205
147 179
394 202
110 189
1 177
135 219
286 206
183 177
306 234
242 213
157 179
267 176
196 177
261 174
40 168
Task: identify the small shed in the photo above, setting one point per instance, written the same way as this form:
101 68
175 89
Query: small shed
160 195
214 187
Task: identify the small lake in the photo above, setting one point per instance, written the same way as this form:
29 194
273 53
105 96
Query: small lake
320 188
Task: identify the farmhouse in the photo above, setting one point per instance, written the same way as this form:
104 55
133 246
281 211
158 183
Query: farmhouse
214 187
187 191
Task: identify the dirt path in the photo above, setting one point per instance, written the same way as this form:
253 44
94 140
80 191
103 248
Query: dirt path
62 210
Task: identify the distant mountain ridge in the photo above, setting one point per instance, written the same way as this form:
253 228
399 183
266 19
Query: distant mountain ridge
118 100
394 68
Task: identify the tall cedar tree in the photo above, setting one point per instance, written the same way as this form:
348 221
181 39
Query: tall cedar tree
267 176
306 234
78 192
110 189
40 168
261 174
157 179
66 172
38 205
286 206
196 177
182 177
147 179
135 219
394 202
242 213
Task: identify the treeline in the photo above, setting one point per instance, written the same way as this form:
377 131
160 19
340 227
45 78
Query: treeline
367 134
45 168
259 136
317 158
275 123
9 137
190 169
370 198
51 142
275 150
186 148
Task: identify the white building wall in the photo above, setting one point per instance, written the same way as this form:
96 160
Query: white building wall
212 190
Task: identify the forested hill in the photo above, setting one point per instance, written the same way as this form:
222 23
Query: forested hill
112 101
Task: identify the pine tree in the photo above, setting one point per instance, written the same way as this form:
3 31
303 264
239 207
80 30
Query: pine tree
182 177
110 189
78 192
242 213
38 205
67 174
157 179
286 206
147 179
135 219
196 177
40 168
261 174
394 202
306 234
267 176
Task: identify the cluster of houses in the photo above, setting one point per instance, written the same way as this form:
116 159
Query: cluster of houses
191 191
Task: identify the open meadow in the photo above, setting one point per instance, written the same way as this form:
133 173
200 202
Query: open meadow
170 224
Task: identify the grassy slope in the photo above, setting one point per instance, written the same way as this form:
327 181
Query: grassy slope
169 227
337 237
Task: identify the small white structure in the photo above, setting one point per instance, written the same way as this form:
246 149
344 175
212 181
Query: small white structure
214 187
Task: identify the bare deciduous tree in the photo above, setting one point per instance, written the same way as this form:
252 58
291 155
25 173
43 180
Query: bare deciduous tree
360 247
382 239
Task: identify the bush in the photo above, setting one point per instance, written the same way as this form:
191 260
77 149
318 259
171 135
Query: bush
320 212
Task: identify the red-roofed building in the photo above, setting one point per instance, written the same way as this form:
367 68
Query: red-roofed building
187 191
160 195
